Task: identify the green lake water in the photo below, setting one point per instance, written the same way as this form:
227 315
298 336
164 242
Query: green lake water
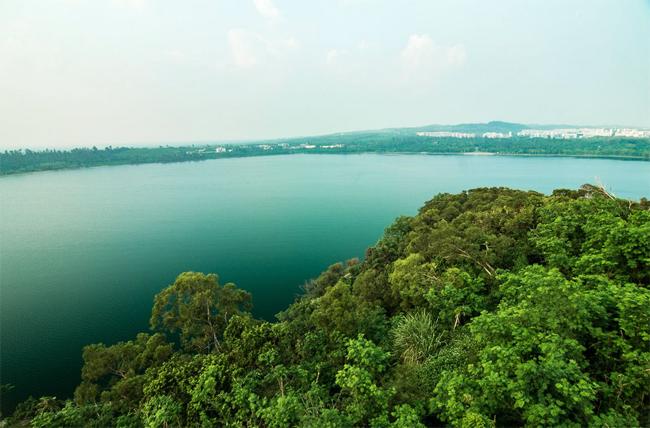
82 252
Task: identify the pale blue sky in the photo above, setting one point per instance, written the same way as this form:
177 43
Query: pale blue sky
136 72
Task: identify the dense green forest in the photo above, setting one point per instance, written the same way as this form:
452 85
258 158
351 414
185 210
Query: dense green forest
386 141
492 307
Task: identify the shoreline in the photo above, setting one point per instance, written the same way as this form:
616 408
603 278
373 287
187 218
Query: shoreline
387 153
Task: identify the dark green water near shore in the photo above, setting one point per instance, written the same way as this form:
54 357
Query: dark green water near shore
82 252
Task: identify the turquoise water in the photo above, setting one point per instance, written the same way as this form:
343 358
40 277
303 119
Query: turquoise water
83 252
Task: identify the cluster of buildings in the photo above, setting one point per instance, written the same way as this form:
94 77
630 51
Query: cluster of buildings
268 147
445 134
206 150
298 146
560 133
633 133
573 133
497 135
566 133
312 146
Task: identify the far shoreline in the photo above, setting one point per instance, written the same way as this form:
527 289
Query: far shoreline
318 153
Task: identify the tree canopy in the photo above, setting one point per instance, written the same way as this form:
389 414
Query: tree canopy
492 307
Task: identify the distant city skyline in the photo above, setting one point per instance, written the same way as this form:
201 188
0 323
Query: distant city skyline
145 72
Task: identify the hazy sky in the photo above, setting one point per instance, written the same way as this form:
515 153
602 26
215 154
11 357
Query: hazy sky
84 72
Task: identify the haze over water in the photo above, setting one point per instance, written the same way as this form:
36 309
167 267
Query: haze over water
84 251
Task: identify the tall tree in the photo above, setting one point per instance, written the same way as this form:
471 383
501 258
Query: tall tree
198 308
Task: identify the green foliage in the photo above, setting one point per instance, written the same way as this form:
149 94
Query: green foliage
198 308
492 307
457 297
48 412
116 373
339 309
363 399
533 363
410 280
318 286
161 411
416 336
524 373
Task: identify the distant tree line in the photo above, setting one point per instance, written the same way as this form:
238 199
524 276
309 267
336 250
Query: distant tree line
395 141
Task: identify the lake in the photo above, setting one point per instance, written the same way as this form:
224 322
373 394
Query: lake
82 252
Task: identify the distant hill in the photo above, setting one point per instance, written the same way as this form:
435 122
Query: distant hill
478 128
494 126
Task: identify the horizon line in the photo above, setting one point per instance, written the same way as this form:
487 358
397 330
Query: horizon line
179 143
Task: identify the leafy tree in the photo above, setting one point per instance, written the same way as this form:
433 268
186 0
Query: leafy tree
341 310
457 297
116 373
364 400
198 308
161 411
410 280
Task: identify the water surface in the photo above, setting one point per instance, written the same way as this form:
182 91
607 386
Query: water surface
82 252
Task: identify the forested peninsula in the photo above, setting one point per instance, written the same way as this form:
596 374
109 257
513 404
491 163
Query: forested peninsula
492 307
483 139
